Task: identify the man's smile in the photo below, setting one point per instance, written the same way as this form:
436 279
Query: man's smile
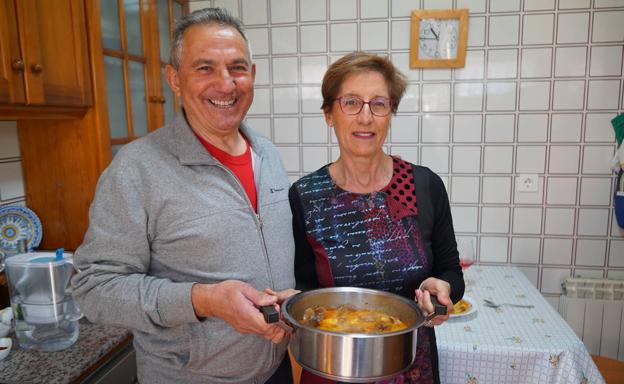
222 103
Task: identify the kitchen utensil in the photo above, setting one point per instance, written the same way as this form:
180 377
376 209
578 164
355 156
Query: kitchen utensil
492 304
354 357
46 316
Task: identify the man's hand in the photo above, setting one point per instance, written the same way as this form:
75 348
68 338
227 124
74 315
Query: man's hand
439 288
236 303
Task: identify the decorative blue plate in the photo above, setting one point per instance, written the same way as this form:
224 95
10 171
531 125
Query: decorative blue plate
18 223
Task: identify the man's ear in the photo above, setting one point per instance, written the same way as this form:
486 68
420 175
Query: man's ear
173 79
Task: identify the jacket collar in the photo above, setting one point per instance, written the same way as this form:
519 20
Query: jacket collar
190 151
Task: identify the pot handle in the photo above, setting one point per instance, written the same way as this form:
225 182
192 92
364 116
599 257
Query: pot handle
272 316
438 309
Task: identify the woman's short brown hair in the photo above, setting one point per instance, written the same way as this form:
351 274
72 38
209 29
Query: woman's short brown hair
356 62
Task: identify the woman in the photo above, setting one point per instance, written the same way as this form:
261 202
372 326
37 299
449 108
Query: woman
357 221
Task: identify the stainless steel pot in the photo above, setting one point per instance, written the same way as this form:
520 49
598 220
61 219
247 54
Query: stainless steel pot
354 358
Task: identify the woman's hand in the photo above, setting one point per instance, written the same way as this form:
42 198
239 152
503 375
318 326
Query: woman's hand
439 288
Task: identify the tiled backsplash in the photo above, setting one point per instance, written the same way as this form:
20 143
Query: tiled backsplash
542 80
11 181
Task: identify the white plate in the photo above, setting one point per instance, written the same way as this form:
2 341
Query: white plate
17 222
473 308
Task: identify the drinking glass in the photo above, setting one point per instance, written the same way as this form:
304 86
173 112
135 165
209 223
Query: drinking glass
466 253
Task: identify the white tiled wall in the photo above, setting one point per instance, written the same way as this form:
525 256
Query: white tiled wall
11 180
542 80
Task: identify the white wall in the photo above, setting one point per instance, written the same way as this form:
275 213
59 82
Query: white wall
541 82
11 180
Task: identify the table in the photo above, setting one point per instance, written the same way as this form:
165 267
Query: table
509 344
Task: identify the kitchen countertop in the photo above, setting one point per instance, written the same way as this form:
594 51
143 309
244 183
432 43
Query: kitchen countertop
95 341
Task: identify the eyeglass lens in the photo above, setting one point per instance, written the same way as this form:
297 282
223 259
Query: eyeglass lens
352 105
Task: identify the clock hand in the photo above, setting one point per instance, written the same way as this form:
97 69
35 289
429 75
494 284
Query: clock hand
434 34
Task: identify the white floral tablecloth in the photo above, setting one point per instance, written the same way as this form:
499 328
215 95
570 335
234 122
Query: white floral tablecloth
508 344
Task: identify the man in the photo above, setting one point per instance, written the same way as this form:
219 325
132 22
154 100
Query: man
191 223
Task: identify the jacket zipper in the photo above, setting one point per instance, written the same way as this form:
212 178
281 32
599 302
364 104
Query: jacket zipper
259 226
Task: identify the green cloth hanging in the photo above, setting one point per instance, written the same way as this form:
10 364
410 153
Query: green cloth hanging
618 127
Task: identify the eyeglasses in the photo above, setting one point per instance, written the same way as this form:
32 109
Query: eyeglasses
352 105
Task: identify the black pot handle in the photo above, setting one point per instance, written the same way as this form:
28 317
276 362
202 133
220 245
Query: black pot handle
270 313
438 309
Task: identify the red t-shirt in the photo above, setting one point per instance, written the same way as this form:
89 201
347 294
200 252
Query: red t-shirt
240 165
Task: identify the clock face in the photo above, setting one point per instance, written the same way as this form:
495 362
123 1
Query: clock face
438 39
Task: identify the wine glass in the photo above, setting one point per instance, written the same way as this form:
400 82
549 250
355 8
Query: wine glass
466 253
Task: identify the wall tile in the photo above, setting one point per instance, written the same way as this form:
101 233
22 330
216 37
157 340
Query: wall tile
290 158
343 37
371 9
400 34
532 128
404 129
590 252
495 220
530 159
374 36
502 63
596 191
466 159
570 61
342 9
314 130
499 128
557 251
603 94
596 159
475 6
501 96
285 100
598 127
230 5
535 198
410 100
505 6
504 30
608 27
561 191
496 190
262 71
283 11
254 12
616 253
476 26
438 4
311 99
261 125
574 4
261 103
473 69
314 158
572 27
401 8
465 219
406 153
552 279
534 95
11 180
536 62
564 159
559 221
607 3
9 144
313 38
568 95
493 249
566 127
285 70
468 97
538 29
283 40
313 68
436 97
593 222
436 128
312 10
467 128
606 61
525 250
497 159
464 189
527 221
286 130
539 5
258 40
401 62
436 158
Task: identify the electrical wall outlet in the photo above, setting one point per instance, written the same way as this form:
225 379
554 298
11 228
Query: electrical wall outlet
527 183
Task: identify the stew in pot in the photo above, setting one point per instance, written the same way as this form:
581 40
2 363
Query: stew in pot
348 319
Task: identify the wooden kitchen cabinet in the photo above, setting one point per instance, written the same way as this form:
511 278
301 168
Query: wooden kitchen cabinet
44 62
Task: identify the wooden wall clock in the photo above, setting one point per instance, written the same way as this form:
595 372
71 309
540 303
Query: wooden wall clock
438 38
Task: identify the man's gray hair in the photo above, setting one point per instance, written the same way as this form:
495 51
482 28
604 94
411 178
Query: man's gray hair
204 16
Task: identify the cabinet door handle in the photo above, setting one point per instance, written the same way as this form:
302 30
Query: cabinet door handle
162 100
17 65
36 68
157 99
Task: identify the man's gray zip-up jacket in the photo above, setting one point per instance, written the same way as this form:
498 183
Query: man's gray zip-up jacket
167 215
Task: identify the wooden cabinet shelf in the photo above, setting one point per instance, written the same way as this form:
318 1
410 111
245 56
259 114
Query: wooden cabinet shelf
44 66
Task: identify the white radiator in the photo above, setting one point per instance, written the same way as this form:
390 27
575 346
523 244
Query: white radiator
594 309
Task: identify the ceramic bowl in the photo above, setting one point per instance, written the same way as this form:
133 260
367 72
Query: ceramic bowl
5 347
